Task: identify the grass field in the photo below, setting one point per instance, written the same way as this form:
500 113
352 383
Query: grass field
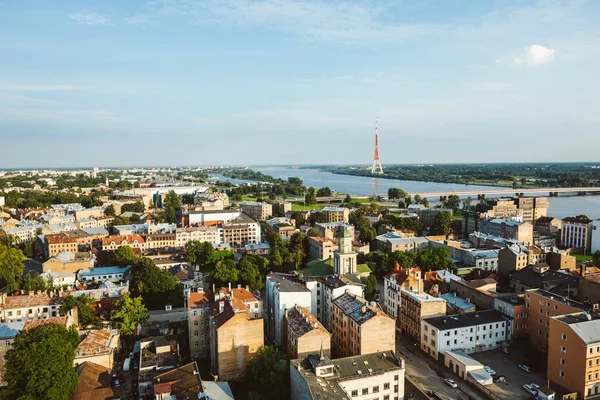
299 206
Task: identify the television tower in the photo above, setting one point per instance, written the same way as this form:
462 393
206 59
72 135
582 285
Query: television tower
376 168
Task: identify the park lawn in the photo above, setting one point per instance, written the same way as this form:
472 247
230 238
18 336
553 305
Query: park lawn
366 200
581 258
245 197
299 206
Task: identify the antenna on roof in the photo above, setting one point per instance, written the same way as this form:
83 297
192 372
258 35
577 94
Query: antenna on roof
321 352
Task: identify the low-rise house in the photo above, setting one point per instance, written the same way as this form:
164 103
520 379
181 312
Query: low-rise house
68 263
114 242
59 242
158 354
210 234
377 375
466 367
262 249
59 279
457 305
305 334
472 332
104 274
95 382
30 306
185 383
98 346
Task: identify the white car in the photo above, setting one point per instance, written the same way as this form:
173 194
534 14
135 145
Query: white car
451 383
530 389
489 370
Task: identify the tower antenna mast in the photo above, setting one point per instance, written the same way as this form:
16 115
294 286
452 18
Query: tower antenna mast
376 168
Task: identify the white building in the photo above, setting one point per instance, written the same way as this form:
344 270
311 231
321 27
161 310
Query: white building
210 234
283 292
213 217
344 259
576 232
472 332
370 376
595 236
103 274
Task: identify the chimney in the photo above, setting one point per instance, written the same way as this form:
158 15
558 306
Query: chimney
213 288
363 309
239 286
396 267
30 293
247 288
229 286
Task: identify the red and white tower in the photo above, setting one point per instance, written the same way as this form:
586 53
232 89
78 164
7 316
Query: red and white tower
376 168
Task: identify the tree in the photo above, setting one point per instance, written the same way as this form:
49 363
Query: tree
395 193
310 197
110 211
425 202
267 375
129 313
32 282
149 279
348 199
125 256
11 267
466 203
276 259
249 273
225 271
370 283
316 217
40 363
441 223
312 232
85 312
199 253
120 221
298 216
298 249
401 204
367 234
135 219
137 207
324 192
452 202
171 205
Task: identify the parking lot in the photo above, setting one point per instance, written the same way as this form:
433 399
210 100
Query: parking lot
507 365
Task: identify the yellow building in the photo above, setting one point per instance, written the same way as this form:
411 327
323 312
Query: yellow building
198 310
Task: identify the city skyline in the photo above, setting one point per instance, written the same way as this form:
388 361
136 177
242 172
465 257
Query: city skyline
186 82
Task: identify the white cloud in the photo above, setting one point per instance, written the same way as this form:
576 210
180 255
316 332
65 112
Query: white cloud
533 56
340 22
137 19
87 18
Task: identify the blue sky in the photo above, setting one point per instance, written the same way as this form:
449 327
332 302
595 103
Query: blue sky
194 82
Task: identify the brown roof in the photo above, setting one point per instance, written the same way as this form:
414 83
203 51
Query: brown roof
594 277
94 383
477 283
123 238
33 300
182 383
96 342
199 299
57 238
301 321
43 322
244 295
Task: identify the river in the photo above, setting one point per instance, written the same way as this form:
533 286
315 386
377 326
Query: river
561 207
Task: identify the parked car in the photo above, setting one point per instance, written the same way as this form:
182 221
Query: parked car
500 379
451 383
435 395
503 349
489 370
530 389
525 368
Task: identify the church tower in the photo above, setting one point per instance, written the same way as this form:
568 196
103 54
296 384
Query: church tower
344 259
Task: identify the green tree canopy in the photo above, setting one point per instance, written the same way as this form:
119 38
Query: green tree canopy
370 286
40 363
148 278
85 312
129 313
395 194
324 192
199 253
11 267
267 375
441 223
110 211
452 202
137 207
225 271
171 205
250 274
125 256
311 196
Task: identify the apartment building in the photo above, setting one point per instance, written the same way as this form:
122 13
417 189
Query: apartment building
59 242
259 211
512 258
321 248
208 218
541 306
405 278
371 376
29 307
595 245
574 353
415 307
577 232
514 308
533 208
326 289
471 333
198 317
112 243
161 240
336 214
330 230
210 234
241 231
305 334
548 226
66 262
413 244
235 337
284 292
507 229
480 292
359 328
282 226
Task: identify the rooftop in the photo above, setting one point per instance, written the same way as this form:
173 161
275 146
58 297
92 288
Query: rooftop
9 330
29 300
420 297
181 383
199 299
586 326
457 302
301 321
97 341
557 298
334 209
122 239
103 271
94 382
356 308
547 279
576 220
446 322
43 322
287 283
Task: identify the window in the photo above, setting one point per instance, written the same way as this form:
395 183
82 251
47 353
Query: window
563 362
395 377
195 344
386 386
563 349
562 374
375 389
365 391
563 336
354 393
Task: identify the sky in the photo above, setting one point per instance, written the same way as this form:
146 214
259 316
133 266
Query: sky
220 82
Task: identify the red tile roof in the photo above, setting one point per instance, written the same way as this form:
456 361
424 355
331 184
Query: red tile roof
43 322
121 239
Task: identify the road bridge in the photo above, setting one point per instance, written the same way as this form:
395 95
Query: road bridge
509 191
